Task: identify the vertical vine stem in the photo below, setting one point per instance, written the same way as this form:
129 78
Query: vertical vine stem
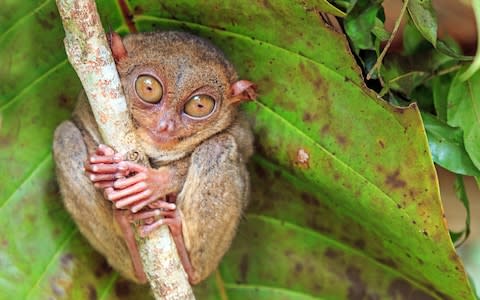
89 53
378 63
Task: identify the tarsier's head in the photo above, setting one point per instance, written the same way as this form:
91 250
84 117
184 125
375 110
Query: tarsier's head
179 87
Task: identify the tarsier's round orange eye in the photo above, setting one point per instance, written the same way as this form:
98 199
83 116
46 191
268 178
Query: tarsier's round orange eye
199 106
148 88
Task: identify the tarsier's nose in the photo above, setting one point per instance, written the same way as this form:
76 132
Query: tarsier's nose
166 125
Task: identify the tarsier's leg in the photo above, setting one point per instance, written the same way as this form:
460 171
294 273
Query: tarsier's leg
211 203
92 213
150 222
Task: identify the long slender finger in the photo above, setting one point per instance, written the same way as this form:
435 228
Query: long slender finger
110 159
145 215
130 191
104 150
132 167
101 168
158 204
132 199
101 177
126 182
147 229
103 184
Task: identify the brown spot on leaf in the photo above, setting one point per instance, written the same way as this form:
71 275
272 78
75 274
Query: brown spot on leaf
342 140
325 129
332 253
46 22
388 262
65 102
298 267
381 143
357 289
395 181
307 117
402 289
244 268
309 199
360 244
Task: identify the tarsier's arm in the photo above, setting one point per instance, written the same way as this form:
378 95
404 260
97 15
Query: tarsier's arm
109 171
143 196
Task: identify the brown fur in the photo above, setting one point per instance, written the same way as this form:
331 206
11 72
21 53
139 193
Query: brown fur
207 157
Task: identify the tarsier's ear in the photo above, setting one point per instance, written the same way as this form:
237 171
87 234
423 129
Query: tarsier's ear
243 90
116 45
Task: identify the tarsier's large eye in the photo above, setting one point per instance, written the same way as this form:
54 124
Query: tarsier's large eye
199 106
148 88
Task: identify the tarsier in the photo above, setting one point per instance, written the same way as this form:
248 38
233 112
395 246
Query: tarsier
183 97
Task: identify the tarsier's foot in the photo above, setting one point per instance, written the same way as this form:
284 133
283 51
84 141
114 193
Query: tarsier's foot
151 218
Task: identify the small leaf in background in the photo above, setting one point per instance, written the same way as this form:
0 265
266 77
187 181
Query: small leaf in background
423 16
360 22
413 40
475 66
440 88
447 148
461 194
464 112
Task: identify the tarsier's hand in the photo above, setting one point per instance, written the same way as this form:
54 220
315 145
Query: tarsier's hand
127 184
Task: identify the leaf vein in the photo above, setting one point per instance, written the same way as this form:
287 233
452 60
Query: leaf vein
21 19
339 244
46 159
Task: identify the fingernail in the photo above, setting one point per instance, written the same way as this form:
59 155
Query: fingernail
92 177
94 168
173 206
92 159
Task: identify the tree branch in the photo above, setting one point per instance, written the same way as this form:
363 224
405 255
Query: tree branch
89 53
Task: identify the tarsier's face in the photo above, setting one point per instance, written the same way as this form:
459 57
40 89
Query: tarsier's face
179 89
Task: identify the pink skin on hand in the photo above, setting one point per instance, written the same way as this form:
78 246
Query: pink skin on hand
109 171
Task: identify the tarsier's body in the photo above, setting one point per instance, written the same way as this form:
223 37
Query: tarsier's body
183 95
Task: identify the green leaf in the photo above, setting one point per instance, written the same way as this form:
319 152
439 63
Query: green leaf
461 194
360 22
475 66
447 148
423 16
440 88
464 112
345 200
413 41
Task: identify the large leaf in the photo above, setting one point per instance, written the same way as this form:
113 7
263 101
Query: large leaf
345 199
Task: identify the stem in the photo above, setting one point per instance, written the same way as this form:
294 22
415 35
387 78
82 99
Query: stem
379 61
89 53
